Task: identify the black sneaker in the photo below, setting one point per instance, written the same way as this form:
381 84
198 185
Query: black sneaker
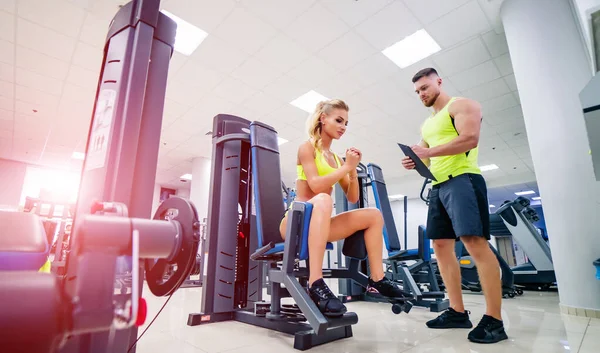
387 288
451 319
328 303
489 330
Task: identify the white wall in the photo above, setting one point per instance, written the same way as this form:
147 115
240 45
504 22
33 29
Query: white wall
416 216
155 199
183 193
12 176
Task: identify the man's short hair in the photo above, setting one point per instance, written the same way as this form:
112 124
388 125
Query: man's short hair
424 73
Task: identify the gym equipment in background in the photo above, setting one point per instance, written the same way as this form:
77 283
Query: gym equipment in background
197 271
289 195
469 276
589 98
112 235
423 278
417 279
58 222
246 174
516 218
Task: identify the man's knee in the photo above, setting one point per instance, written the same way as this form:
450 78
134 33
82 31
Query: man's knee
476 245
323 203
444 248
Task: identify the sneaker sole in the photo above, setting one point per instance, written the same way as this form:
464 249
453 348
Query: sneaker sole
483 341
450 327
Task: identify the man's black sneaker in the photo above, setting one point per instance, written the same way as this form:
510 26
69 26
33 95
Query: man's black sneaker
387 288
327 302
489 330
451 319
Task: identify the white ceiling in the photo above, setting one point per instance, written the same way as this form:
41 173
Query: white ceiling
260 55
497 195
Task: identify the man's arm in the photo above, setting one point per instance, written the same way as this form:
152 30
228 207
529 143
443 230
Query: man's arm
467 119
425 160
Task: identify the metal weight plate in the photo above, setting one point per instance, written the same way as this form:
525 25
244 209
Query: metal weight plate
159 281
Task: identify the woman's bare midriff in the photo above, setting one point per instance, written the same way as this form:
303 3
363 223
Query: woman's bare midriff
304 192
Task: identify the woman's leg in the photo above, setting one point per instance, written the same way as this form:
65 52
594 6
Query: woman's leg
371 220
318 233
327 302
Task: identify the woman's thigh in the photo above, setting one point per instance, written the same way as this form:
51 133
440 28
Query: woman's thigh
345 224
283 224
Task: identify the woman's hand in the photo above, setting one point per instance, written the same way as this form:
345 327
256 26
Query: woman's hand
356 150
353 157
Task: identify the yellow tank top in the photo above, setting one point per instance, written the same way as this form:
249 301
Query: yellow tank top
439 129
323 167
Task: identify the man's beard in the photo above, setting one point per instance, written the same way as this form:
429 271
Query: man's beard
431 102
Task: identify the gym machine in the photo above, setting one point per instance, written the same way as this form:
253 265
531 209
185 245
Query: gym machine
84 312
246 174
515 218
469 276
289 195
58 222
411 277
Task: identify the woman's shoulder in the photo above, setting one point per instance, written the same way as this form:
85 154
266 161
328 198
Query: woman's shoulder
306 146
305 150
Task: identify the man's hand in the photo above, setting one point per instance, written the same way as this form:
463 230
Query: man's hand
408 163
421 152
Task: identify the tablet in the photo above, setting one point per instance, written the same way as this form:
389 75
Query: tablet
420 166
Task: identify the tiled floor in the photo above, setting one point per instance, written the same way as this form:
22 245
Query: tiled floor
533 321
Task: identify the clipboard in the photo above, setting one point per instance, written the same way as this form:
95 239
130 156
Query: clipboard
419 165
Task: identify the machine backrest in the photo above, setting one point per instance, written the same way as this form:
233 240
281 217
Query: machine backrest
23 243
266 180
390 234
424 249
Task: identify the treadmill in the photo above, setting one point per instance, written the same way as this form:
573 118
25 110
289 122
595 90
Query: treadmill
516 217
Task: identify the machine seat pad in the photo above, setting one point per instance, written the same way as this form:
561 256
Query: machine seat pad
279 249
23 244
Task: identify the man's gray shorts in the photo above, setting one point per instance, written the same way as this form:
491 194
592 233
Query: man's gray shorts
459 207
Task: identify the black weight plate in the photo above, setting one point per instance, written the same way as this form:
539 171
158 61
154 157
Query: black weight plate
185 257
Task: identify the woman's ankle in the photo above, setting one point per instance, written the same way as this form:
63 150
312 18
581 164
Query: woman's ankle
311 281
377 278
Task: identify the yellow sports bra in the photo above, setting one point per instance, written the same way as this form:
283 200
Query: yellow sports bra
323 168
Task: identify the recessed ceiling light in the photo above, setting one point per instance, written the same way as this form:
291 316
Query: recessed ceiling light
488 167
412 49
78 155
492 206
523 193
536 198
281 140
188 37
308 101
186 177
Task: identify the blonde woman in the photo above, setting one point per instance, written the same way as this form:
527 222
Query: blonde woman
319 169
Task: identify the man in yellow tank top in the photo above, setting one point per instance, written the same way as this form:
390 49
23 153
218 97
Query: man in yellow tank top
458 205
